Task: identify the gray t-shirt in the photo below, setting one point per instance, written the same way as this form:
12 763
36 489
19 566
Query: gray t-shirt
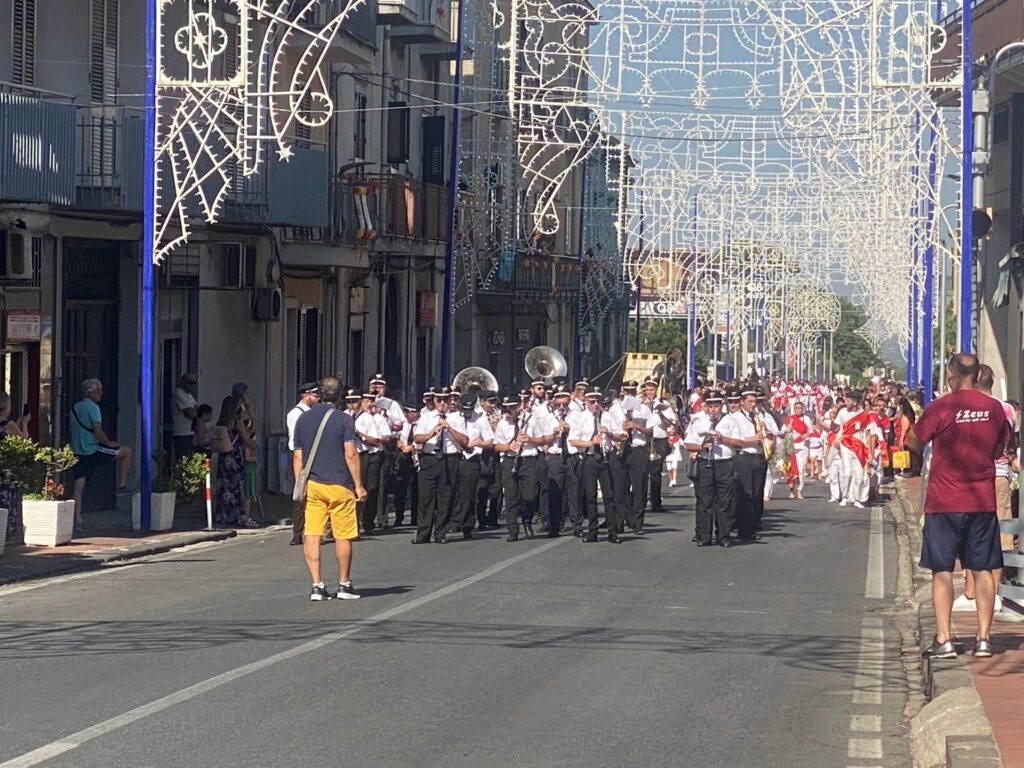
329 465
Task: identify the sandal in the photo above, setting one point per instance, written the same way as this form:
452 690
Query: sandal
245 522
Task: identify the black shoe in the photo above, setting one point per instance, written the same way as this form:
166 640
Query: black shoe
638 529
603 525
514 536
467 535
590 538
319 594
725 543
296 541
577 531
704 543
442 539
695 538
528 529
553 534
620 528
399 523
543 528
613 538
421 541
749 537
939 650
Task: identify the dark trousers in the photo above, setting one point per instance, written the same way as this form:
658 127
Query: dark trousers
618 475
532 470
488 492
636 461
435 497
593 470
510 495
558 489
369 468
464 516
654 472
404 488
748 490
184 445
714 488
543 491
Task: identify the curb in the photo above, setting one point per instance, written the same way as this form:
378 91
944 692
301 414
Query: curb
95 561
952 729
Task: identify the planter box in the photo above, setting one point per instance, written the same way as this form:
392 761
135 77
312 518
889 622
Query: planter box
162 511
3 530
48 523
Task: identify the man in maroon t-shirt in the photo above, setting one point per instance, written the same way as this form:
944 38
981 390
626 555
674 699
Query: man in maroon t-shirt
967 430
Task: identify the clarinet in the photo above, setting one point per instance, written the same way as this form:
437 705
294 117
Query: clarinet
519 454
563 438
714 444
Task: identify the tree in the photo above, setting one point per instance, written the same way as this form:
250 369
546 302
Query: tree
852 354
657 337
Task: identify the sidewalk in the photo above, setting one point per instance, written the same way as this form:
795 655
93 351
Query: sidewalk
999 681
110 538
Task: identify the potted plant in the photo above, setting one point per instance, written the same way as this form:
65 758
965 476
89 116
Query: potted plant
48 519
161 498
19 472
184 479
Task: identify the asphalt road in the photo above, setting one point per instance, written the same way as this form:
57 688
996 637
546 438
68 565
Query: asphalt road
483 654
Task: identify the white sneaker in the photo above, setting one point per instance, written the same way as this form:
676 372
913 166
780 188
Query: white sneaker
964 603
843 503
833 501
858 505
671 483
999 604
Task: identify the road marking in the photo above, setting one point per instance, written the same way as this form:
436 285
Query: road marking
874 584
60 746
866 723
864 749
104 570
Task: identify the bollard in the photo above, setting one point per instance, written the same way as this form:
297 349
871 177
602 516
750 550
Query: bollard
209 497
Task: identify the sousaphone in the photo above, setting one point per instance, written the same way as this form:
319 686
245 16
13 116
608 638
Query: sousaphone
545 363
475 379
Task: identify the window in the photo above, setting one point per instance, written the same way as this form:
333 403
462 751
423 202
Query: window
1001 126
303 133
359 134
310 344
23 48
103 51
238 266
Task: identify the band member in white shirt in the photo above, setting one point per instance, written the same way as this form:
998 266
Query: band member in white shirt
506 443
744 432
715 476
662 417
563 485
406 467
369 443
638 425
588 438
479 437
536 432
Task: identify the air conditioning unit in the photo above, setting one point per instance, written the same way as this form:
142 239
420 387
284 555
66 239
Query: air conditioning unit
15 255
266 305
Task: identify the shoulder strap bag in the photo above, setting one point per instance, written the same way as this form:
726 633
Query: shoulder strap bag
299 492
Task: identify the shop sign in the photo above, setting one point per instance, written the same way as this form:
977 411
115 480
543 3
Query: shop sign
22 326
426 309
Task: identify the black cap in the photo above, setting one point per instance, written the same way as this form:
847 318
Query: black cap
378 378
561 391
606 400
510 402
713 397
538 382
629 385
429 393
310 387
524 394
732 395
593 393
467 401
353 394
750 391
410 409
582 383
443 393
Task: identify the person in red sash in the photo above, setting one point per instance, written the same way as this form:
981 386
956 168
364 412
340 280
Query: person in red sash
855 448
799 426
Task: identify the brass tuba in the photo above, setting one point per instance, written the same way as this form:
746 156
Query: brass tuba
475 379
545 363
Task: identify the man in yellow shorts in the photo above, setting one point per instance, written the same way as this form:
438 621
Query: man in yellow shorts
333 487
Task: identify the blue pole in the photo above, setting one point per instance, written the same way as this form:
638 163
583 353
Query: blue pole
691 321
913 345
453 201
148 250
728 342
965 340
928 299
577 348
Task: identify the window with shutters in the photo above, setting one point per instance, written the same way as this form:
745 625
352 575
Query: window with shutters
103 51
310 345
303 133
359 135
23 48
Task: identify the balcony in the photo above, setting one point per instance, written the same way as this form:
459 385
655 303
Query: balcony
109 159
535 277
360 23
416 21
398 206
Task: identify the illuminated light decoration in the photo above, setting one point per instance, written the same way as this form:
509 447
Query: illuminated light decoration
796 126
234 78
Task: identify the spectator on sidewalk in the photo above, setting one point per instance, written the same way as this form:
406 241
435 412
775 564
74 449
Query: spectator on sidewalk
10 495
204 420
92 446
967 430
183 415
309 395
333 487
232 503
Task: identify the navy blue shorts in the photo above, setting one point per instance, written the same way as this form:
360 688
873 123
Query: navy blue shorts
973 537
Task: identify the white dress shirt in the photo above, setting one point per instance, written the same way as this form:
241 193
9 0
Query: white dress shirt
659 428
291 419
425 425
366 425
740 426
477 428
701 424
582 428
539 423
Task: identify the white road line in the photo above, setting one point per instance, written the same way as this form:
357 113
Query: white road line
44 753
866 723
874 584
864 749
105 570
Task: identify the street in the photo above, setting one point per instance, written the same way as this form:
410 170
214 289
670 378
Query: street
481 653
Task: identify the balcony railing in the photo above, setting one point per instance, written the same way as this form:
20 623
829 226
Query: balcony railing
392 205
37 150
536 277
109 158
360 23
422 21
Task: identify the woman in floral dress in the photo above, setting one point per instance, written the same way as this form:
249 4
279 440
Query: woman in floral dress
231 502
